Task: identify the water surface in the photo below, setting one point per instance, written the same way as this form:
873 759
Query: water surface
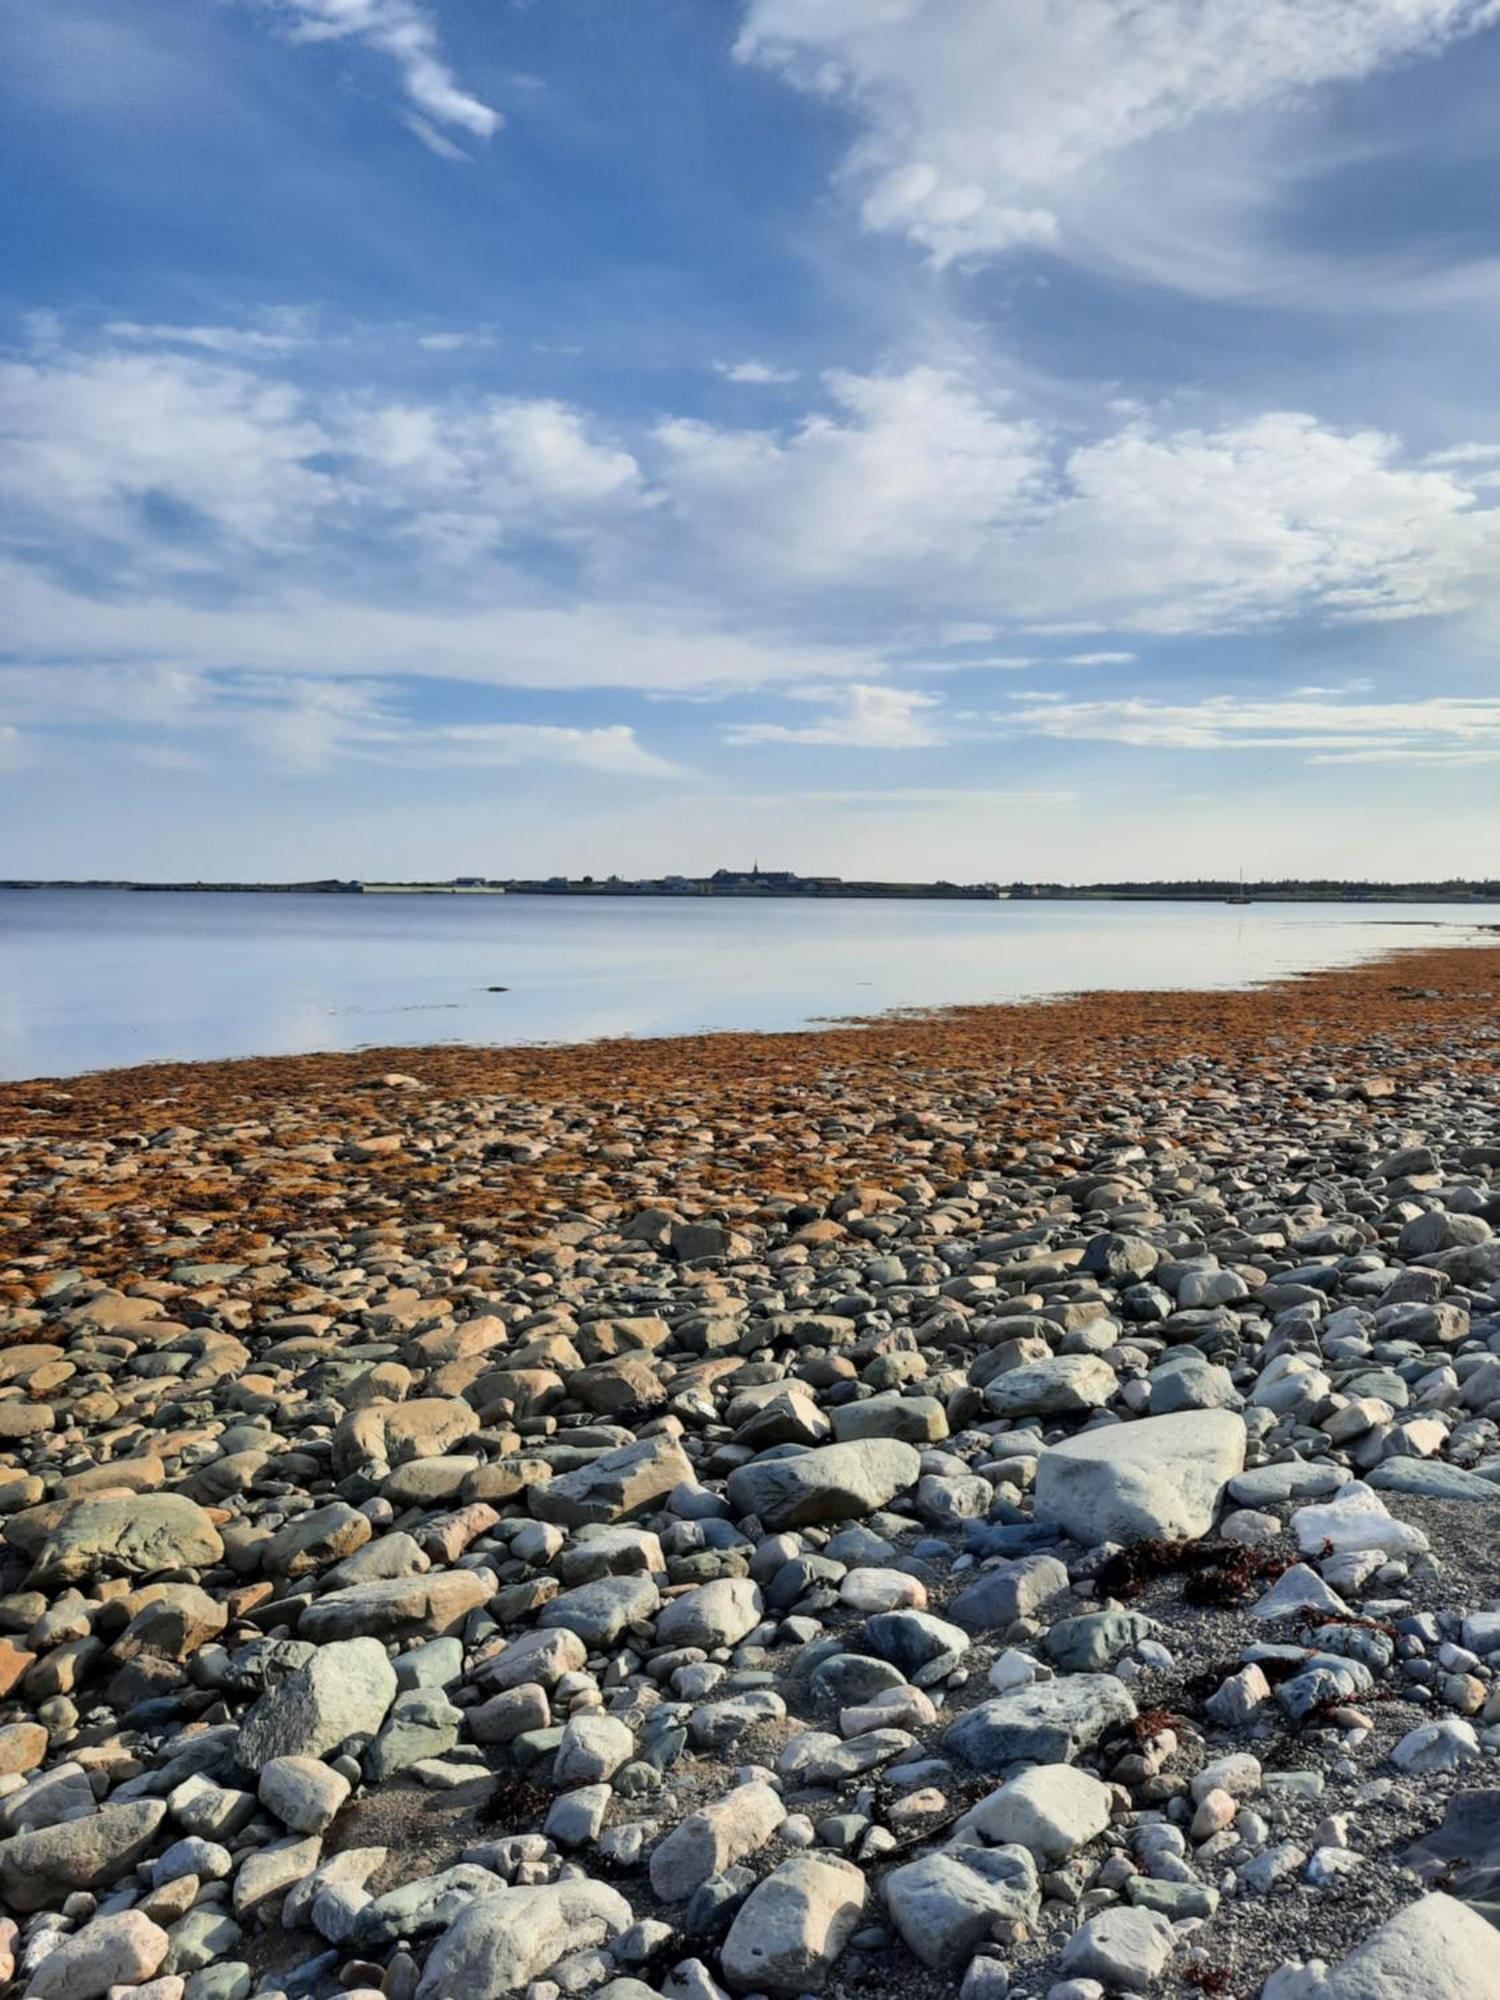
91 979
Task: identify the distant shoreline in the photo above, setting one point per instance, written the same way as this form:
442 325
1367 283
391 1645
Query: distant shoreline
804 889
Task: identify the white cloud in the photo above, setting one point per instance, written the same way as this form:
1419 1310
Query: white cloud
753 374
294 723
225 516
100 441
908 474
981 117
919 485
89 442
1443 729
405 32
860 716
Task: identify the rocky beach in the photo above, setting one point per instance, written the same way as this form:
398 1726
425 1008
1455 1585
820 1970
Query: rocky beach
1003 1502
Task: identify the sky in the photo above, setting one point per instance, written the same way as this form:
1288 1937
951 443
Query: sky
991 439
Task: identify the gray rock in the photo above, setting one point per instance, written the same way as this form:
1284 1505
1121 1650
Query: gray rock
1126 1950
997 1597
599 1612
715 1614
708 1842
1434 1949
141 1536
615 1486
836 1482
344 1690
1049 1723
1066 1385
945 1905
41 1868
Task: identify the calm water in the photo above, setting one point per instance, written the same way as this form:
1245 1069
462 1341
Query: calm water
93 979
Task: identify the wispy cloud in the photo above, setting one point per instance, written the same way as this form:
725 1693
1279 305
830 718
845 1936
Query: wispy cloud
859 716
1442 729
406 33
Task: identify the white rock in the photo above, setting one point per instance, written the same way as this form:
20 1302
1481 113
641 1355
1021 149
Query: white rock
1436 1746
1052 1809
1355 1518
1161 1476
500 1943
1298 1589
1434 1949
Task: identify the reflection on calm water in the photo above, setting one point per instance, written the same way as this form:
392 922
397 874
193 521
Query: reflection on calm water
92 979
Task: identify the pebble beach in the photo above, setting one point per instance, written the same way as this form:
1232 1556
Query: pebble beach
1003 1501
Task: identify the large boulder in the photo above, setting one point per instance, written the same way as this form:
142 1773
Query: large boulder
1050 1723
1132 1482
836 1482
344 1690
1435 1949
502 1942
39 1870
141 1535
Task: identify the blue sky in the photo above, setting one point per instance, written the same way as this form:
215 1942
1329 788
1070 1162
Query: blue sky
1056 439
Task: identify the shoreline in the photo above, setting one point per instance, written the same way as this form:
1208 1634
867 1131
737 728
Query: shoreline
394 1476
1393 990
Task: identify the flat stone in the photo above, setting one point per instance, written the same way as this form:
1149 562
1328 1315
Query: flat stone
39 1869
399 1607
945 1905
1051 1810
614 1487
1048 1723
1065 1385
138 1536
